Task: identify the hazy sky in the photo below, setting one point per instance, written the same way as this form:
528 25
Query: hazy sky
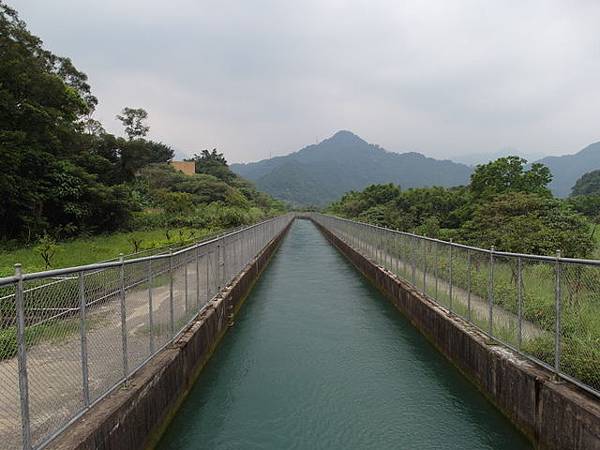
261 77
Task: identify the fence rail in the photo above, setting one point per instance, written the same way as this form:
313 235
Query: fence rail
65 344
547 308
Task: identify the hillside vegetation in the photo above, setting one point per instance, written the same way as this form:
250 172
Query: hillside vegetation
63 177
567 169
506 205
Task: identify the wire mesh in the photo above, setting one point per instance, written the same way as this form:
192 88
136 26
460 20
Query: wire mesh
463 300
160 329
538 310
103 320
137 314
53 356
580 323
10 411
88 329
505 320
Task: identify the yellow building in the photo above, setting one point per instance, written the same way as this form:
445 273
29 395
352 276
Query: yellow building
187 167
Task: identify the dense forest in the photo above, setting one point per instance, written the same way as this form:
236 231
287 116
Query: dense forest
63 176
507 204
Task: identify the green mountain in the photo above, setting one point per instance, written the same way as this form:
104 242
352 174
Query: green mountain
321 173
567 169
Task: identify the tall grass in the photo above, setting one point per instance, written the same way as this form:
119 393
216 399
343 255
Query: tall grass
87 250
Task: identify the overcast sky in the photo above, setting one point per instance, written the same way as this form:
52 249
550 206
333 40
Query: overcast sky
261 77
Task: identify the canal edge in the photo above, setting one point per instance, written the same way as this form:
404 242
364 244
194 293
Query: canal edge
551 415
136 417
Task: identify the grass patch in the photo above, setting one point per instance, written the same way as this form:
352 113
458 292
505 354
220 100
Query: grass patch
54 332
88 250
580 295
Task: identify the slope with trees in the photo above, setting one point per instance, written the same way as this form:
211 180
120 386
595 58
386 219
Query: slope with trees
63 176
567 169
588 184
507 205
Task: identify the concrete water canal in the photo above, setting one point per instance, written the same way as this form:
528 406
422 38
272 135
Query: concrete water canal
318 358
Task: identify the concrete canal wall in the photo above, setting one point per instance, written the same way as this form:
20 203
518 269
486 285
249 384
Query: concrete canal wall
134 416
553 415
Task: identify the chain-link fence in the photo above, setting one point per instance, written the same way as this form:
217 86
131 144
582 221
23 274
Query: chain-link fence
70 336
546 308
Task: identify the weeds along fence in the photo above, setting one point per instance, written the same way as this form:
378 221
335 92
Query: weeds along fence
545 308
58 282
66 344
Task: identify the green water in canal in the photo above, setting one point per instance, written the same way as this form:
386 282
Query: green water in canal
318 359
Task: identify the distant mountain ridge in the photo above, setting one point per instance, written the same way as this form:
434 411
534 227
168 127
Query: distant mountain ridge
567 169
321 173
474 159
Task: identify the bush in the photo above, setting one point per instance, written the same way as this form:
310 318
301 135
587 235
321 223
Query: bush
47 249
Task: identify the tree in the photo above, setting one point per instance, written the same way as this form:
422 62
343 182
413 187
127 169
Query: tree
529 223
589 183
204 189
43 98
133 121
63 174
378 194
509 174
588 205
386 204
137 153
355 204
175 203
46 248
443 204
93 127
213 163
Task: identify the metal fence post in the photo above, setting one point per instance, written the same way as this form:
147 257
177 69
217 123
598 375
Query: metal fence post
388 250
171 300
435 267
519 302
123 315
224 271
220 266
83 341
198 277
397 254
233 263
424 266
450 275
208 276
363 238
414 260
22 359
185 282
558 301
468 285
491 293
150 306
382 256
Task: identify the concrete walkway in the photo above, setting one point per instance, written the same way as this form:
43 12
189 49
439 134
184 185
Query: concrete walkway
54 365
